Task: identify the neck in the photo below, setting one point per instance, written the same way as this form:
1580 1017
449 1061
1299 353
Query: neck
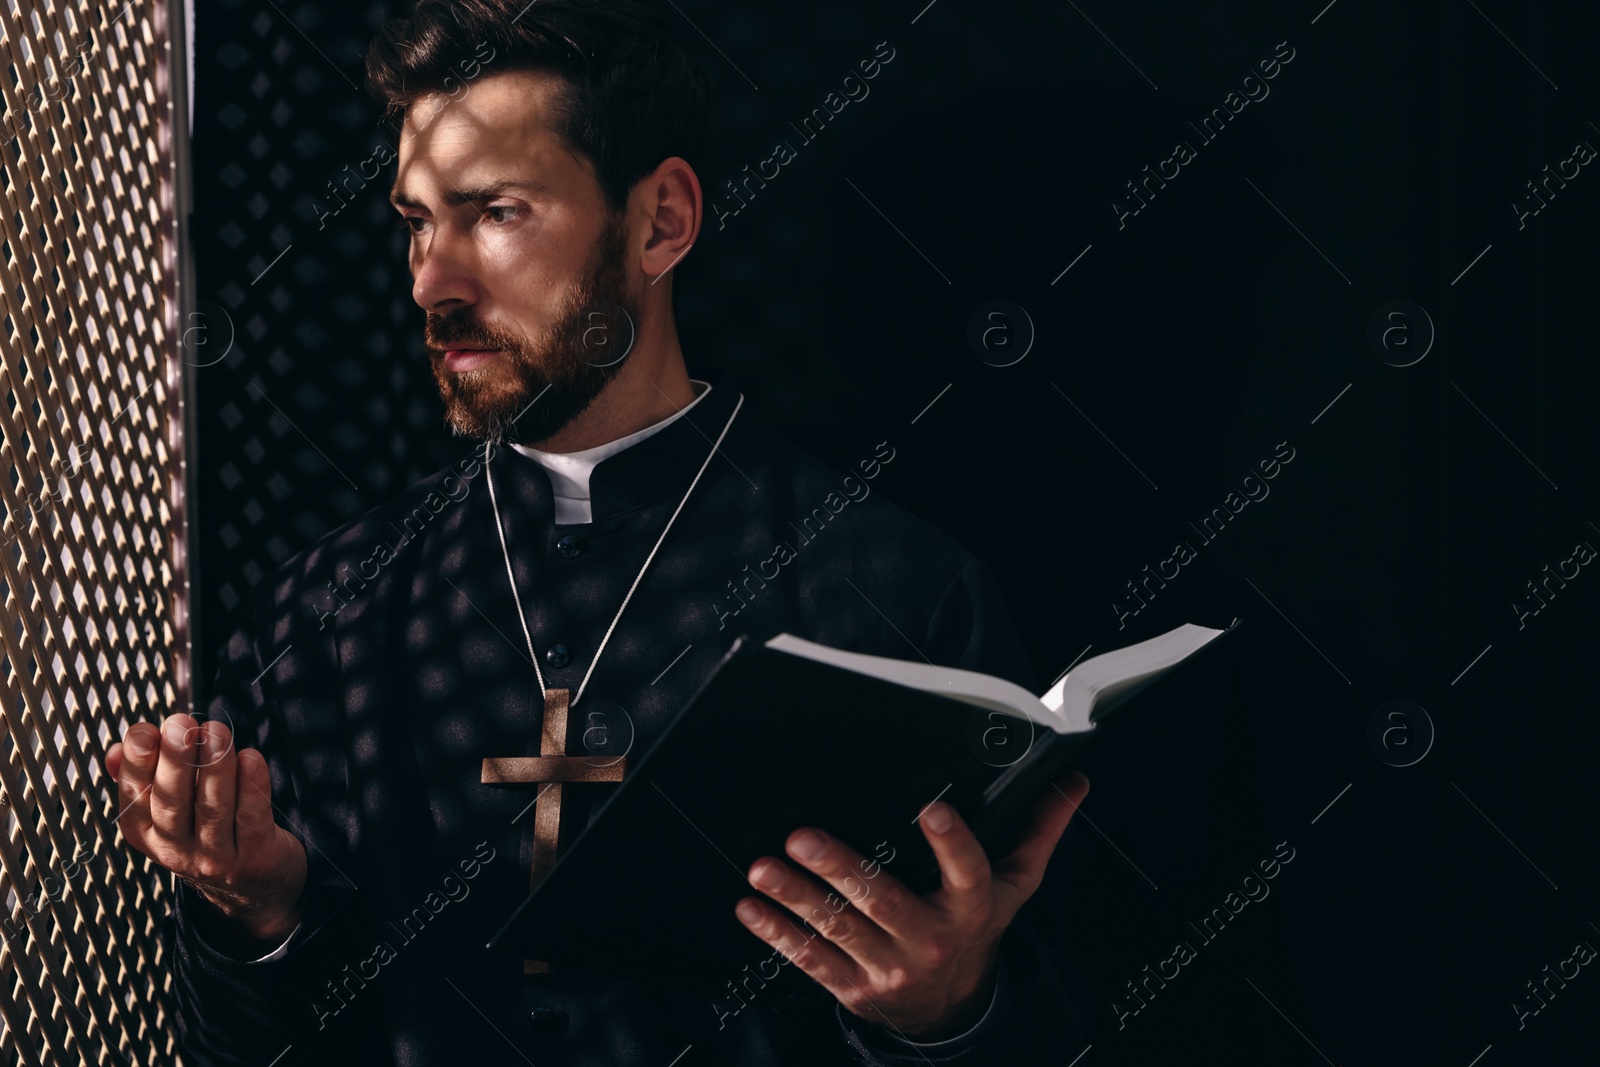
652 384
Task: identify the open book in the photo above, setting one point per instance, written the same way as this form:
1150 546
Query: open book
1072 705
791 733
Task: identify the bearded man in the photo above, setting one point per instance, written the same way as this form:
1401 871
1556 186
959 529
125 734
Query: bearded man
342 860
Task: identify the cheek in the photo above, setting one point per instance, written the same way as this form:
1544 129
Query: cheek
525 304
516 269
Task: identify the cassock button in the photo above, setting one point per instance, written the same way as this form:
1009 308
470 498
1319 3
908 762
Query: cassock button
557 656
548 1022
571 545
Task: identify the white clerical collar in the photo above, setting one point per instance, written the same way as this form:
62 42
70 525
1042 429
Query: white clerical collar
569 471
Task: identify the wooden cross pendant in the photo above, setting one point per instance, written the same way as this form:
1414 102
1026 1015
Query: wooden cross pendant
550 768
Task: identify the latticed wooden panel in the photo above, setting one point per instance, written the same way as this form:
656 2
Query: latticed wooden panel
91 544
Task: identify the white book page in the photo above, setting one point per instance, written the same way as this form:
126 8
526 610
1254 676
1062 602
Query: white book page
980 689
1105 675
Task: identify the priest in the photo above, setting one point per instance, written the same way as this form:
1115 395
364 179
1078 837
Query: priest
343 853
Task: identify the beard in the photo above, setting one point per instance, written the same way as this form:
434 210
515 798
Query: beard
532 389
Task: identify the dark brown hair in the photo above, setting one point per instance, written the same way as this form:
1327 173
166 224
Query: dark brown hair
633 96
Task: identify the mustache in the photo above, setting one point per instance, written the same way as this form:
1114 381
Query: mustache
461 331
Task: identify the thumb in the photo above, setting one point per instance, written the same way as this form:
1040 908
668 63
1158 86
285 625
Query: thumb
1069 791
1058 805
253 823
1024 866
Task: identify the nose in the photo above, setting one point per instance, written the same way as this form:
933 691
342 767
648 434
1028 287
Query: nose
443 270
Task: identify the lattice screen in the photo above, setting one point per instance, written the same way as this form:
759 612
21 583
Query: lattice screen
92 542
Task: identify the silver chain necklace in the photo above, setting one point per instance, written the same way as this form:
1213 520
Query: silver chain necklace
511 577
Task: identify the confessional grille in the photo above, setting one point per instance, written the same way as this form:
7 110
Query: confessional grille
92 569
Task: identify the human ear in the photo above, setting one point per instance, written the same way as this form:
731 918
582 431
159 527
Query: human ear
672 198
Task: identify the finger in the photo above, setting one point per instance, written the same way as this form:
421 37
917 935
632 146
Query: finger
215 793
172 791
1024 867
113 760
140 746
253 828
964 870
826 912
893 908
807 950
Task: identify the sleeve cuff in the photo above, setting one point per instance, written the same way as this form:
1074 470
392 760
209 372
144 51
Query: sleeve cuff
880 1045
283 949
968 1036
198 923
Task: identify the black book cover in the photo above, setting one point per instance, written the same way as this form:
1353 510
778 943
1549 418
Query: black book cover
771 742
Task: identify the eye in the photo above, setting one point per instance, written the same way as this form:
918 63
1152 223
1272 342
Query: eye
404 225
502 213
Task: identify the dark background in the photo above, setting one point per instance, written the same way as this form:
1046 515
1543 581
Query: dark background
1228 316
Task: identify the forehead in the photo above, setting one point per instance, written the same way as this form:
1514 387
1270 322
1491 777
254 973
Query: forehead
499 125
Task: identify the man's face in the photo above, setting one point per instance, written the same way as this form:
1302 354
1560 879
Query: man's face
523 272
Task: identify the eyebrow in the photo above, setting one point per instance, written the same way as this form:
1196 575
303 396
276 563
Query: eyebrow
457 197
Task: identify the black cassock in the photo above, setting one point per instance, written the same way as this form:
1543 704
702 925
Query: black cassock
378 668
